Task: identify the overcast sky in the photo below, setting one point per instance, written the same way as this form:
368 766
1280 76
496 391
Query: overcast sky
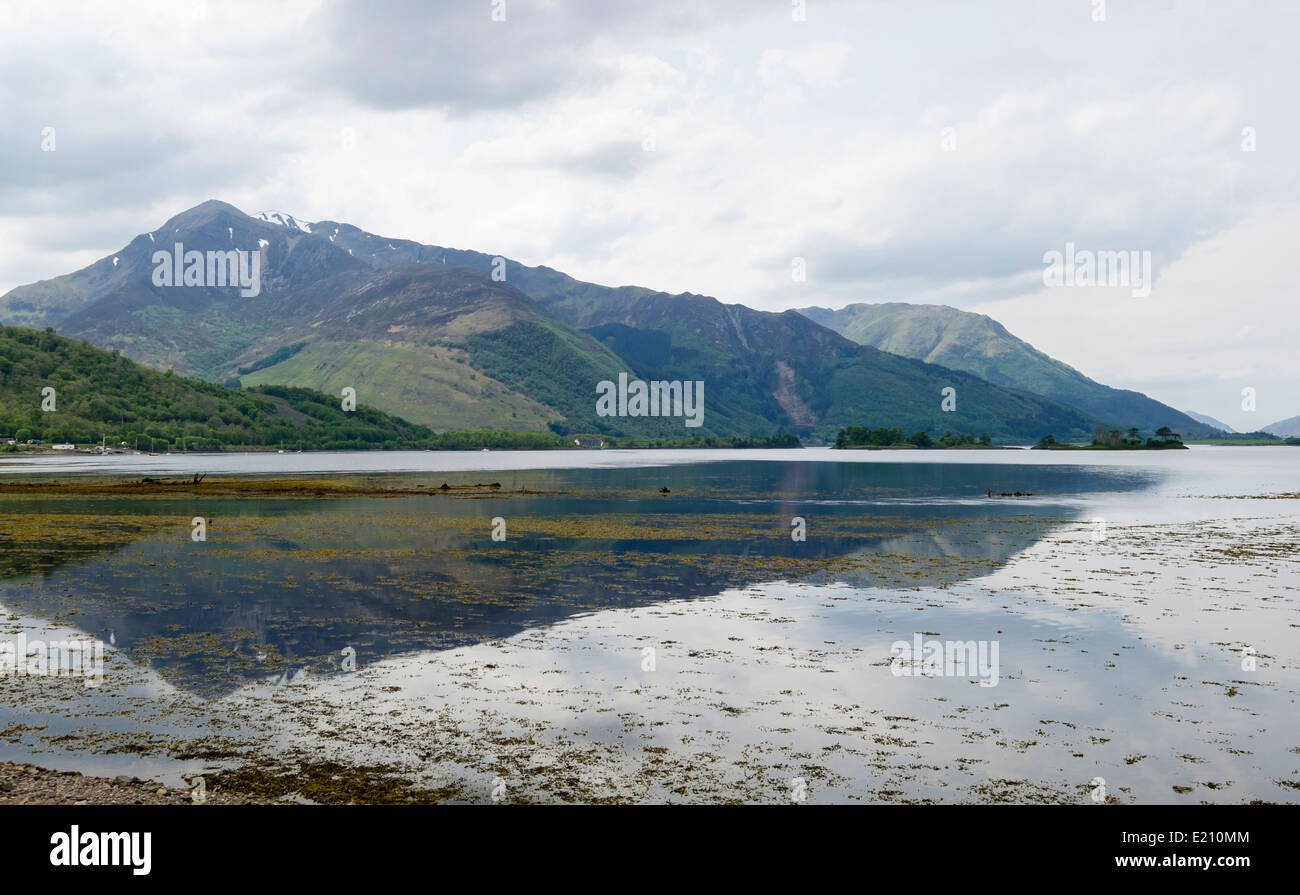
703 146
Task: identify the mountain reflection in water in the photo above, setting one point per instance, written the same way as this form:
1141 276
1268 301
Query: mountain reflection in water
285 584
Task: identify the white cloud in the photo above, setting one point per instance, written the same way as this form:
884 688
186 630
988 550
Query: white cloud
771 140
1219 319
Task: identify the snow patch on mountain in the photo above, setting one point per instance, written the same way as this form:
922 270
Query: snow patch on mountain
284 220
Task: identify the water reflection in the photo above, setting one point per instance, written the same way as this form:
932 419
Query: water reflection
286 584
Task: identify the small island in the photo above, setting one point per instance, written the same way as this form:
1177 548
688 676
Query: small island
880 438
1104 439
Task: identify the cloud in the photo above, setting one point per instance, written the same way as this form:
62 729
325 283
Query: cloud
1219 319
768 140
470 58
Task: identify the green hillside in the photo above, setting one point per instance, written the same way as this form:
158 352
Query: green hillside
449 348
435 336
759 366
431 385
980 345
101 394
785 367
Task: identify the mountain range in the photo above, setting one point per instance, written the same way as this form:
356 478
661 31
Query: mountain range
457 339
980 345
1287 428
1210 421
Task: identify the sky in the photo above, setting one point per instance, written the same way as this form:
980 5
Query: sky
773 153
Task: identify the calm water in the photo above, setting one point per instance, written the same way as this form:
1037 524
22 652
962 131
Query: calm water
622 643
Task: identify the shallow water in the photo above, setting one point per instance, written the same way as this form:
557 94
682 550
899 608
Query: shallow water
1198 459
1120 595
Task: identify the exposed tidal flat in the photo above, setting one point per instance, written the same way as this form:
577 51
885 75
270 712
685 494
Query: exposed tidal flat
627 644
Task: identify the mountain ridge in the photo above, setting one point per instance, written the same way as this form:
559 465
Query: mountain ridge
1210 421
1287 428
980 345
455 338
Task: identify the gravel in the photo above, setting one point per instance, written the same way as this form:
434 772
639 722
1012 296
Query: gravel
26 784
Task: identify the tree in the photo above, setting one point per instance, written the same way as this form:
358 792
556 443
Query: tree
1047 440
921 439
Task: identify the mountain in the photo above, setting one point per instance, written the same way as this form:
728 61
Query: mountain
456 339
1287 428
982 346
815 378
1210 421
98 393
760 365
294 262
325 320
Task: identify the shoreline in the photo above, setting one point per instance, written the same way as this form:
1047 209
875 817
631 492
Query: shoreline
1180 446
251 486
913 447
30 784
